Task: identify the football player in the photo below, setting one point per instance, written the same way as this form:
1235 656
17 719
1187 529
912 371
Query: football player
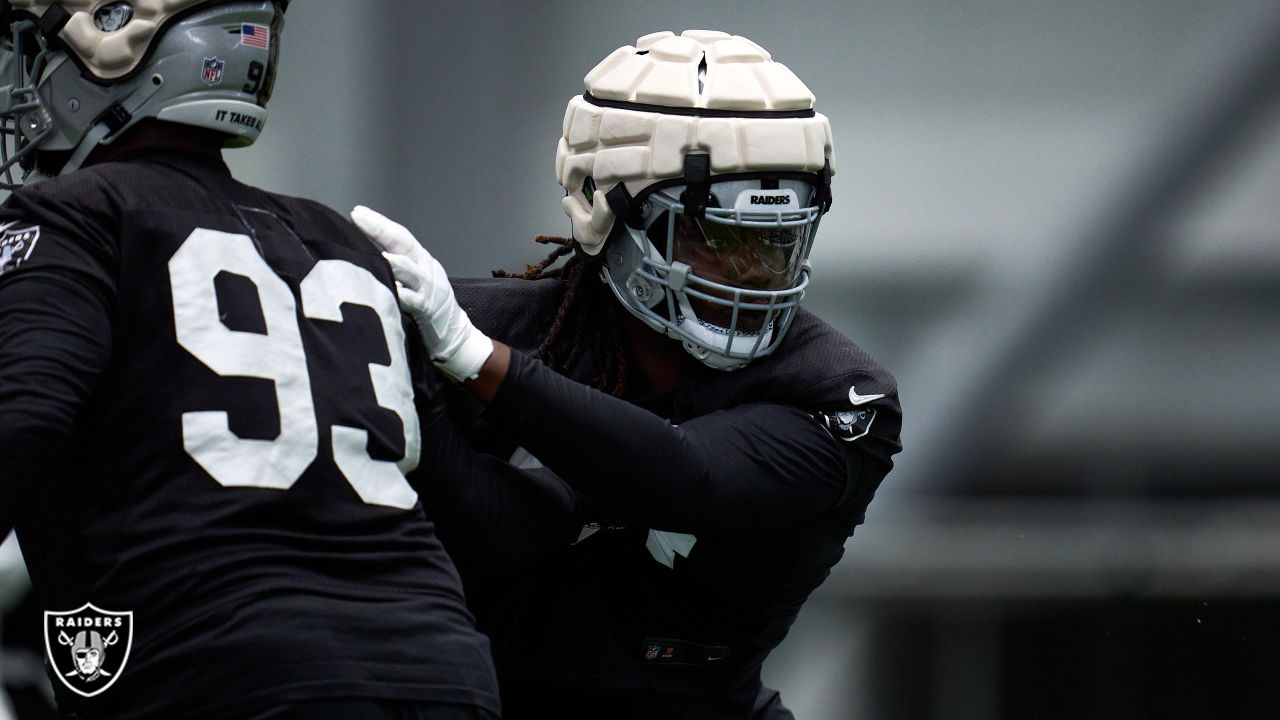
731 440
206 402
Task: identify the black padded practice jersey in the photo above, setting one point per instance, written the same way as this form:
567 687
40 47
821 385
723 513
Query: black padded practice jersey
207 412
711 515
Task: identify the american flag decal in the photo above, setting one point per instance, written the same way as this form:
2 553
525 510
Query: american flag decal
258 36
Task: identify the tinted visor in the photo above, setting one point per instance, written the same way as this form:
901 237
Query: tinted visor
754 258
746 252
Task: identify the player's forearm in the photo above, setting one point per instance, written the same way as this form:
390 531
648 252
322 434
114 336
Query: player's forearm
485 385
480 502
713 473
595 441
639 465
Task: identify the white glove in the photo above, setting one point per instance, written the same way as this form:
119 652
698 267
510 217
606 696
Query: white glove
456 346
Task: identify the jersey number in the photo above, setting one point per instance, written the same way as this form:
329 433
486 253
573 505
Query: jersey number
278 355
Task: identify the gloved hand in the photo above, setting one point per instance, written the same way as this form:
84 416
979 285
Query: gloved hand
456 346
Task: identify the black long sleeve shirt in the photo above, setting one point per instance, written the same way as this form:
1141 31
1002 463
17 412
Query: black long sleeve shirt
714 513
206 408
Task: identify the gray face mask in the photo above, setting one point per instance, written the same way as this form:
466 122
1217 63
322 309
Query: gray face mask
726 283
25 124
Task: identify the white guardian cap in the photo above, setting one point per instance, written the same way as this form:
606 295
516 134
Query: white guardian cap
698 165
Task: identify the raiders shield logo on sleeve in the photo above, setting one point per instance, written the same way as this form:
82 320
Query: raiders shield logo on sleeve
88 648
848 425
16 245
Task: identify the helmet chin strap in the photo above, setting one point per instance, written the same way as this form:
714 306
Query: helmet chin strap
110 122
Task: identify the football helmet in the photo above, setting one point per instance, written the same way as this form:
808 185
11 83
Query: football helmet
74 75
698 166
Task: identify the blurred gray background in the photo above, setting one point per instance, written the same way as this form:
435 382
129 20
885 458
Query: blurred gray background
1056 222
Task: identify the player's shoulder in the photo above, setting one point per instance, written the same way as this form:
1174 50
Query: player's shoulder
303 207
817 368
87 205
305 212
507 293
89 187
515 311
823 365
113 188
311 221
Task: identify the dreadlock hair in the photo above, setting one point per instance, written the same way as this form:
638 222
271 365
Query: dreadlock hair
585 319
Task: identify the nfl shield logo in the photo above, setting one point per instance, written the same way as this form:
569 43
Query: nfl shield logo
88 648
16 245
211 72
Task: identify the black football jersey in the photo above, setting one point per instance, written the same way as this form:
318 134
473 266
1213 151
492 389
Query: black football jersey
669 601
234 474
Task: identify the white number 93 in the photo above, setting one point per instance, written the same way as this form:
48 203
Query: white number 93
278 356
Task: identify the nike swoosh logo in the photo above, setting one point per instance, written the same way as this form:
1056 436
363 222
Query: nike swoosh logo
857 399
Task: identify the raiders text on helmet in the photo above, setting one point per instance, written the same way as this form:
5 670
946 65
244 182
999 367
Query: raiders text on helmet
76 74
707 126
